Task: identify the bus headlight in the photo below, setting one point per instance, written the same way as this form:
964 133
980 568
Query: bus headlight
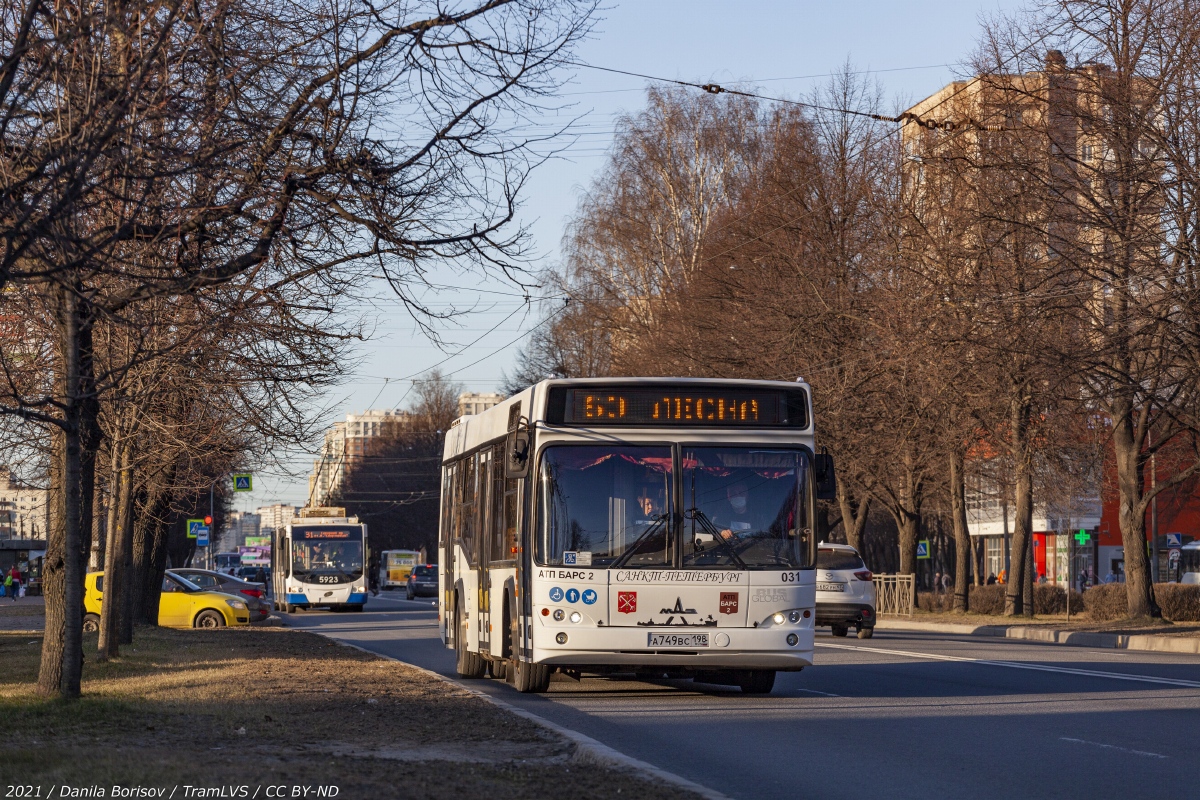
792 639
559 614
561 638
778 618
794 616
576 616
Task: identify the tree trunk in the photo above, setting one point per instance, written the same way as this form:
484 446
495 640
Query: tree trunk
125 618
1014 596
962 537
1127 447
118 554
72 485
976 561
909 531
149 551
854 520
107 646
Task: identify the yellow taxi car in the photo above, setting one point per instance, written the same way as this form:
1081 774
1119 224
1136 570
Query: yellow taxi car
182 604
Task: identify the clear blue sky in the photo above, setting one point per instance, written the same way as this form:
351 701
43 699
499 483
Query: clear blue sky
785 49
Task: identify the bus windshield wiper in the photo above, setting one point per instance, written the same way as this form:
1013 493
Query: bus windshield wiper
628 554
706 524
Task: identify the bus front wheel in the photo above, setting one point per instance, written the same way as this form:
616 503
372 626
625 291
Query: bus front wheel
528 677
467 664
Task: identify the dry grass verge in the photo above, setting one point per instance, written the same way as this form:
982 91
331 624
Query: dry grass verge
268 706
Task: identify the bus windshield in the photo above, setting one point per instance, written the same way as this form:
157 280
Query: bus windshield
607 503
606 506
327 555
745 507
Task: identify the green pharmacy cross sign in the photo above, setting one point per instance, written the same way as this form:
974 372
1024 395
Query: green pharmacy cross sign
1083 537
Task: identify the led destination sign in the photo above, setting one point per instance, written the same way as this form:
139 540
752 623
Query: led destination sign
668 406
327 532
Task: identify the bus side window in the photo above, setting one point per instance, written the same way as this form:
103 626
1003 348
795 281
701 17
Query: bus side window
497 549
465 513
446 535
483 504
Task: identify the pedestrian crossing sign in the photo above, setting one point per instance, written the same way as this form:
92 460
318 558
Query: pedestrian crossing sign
243 482
923 548
193 527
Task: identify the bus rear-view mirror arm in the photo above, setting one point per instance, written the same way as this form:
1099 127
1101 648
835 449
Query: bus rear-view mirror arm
516 454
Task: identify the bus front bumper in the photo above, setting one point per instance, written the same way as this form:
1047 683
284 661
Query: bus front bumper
728 648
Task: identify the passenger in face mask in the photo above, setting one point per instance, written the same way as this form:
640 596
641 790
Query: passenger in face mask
735 521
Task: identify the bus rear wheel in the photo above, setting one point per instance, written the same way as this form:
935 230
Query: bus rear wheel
529 677
466 663
757 681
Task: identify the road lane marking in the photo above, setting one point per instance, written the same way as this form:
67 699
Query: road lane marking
814 691
1118 676
1112 747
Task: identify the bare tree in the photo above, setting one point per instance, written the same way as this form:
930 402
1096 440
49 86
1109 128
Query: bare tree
226 140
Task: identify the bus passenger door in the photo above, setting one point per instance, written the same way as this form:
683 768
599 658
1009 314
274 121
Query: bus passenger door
483 549
446 571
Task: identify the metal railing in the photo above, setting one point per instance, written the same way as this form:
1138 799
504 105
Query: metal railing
894 594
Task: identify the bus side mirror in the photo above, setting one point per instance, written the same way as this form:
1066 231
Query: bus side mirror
516 455
826 488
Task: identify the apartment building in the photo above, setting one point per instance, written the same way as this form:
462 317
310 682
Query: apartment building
24 510
1051 120
240 525
347 441
272 518
476 403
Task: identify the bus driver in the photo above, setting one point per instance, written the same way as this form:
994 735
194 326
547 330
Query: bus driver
650 505
735 520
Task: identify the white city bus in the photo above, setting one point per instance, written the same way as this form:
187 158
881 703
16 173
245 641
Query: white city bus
318 561
654 526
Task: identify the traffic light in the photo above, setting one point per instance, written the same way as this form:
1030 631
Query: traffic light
208 520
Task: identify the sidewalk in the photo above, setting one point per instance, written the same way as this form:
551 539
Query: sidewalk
1076 638
22 614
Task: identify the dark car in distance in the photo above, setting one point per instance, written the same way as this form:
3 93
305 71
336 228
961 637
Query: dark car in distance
422 581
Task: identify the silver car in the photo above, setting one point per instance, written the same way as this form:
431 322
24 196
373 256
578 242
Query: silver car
845 592
254 594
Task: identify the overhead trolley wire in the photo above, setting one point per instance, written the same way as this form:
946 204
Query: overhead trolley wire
715 88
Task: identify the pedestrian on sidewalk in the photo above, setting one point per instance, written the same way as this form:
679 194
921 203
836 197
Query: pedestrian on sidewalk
12 583
991 580
937 582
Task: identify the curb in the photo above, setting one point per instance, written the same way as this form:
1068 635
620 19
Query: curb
587 749
1117 641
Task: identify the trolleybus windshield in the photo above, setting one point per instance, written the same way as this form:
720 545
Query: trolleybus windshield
616 506
327 554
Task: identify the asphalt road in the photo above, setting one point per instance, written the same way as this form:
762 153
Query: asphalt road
899 715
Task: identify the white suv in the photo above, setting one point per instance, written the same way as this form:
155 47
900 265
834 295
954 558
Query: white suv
845 593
